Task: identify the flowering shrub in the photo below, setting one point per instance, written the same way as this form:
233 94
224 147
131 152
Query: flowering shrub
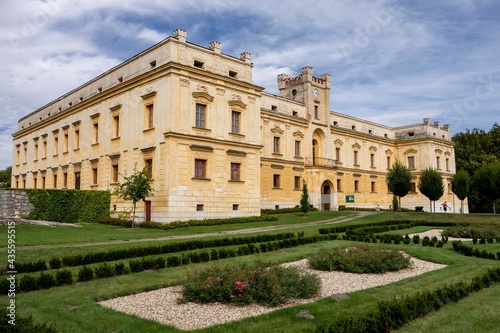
244 285
359 259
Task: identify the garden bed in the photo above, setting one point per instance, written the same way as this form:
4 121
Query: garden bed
162 306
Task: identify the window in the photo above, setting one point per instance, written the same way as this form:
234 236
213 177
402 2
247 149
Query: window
356 186
116 126
411 162
353 127
233 74
43 181
200 115
295 113
235 122
355 157
438 164
235 171
18 156
413 187
56 145
276 146
25 155
373 188
54 181
35 180
149 115
77 180
66 142
200 168
316 112
297 148
339 185
198 64
148 164
35 157
274 107
372 160
388 162
115 173
296 183
44 148
94 175
276 181
152 64
65 179
236 207
96 132
199 207
337 154
447 164
77 139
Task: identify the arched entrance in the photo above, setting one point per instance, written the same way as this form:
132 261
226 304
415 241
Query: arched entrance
326 195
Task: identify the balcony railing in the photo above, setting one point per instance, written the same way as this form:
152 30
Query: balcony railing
321 162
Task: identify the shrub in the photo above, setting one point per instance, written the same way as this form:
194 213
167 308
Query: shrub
120 269
361 259
63 277
45 281
103 271
243 285
85 274
416 239
28 283
55 263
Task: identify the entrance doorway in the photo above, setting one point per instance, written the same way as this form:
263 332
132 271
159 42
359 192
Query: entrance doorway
147 210
326 193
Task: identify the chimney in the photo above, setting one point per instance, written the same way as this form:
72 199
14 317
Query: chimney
215 46
180 35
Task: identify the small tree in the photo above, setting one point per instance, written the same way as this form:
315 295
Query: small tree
487 181
136 187
431 185
399 180
304 200
5 177
460 185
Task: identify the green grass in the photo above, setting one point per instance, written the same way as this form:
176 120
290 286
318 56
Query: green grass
74 309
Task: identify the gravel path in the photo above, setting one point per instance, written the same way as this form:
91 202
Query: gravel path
161 305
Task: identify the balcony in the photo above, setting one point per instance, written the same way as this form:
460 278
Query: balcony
320 162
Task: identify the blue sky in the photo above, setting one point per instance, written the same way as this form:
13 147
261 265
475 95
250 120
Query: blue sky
392 62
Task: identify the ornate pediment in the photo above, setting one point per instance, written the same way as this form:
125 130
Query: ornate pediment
356 146
438 151
372 149
298 134
338 142
389 152
237 104
410 151
202 97
277 129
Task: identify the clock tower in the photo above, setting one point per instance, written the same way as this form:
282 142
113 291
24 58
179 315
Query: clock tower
312 91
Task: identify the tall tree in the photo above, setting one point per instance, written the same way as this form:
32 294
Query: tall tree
136 187
487 181
431 185
5 177
399 180
460 185
304 200
474 148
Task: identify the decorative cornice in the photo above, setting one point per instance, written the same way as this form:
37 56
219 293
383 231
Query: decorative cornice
277 129
201 148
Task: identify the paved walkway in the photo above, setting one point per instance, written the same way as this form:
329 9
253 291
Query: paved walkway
211 234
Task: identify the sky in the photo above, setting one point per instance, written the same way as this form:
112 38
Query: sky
392 62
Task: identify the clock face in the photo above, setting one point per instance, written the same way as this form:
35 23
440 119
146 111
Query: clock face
316 93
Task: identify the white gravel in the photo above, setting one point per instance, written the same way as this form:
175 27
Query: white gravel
161 305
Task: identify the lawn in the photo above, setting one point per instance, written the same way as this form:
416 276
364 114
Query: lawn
74 309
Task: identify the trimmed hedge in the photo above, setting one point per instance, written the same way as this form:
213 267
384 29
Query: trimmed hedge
185 224
461 248
393 314
136 252
86 273
295 209
68 206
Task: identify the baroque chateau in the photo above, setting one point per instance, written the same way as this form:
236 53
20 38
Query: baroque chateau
217 145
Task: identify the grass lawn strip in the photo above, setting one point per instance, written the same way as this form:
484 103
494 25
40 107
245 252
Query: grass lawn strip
161 305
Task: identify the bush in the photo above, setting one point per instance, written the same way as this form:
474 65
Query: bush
63 277
85 274
55 263
45 281
361 259
103 271
114 221
28 283
120 269
244 285
22 324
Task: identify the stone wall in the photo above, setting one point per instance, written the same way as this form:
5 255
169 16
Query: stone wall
10 200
